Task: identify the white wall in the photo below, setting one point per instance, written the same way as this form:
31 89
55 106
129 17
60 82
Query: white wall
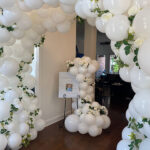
57 49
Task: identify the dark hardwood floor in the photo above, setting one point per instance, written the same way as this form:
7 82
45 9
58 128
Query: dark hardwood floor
56 138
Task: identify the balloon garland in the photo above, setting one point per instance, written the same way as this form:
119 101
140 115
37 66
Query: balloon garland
89 116
127 25
23 24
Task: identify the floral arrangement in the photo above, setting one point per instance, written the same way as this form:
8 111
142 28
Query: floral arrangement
89 116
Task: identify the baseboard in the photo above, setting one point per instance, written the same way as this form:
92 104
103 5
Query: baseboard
55 119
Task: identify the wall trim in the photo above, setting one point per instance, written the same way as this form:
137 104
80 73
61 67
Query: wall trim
55 119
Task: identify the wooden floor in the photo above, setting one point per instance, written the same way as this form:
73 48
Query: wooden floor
55 138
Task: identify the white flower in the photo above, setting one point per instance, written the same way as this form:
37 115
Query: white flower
131 30
138 42
106 17
133 10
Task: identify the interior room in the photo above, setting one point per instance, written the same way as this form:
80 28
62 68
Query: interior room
74 75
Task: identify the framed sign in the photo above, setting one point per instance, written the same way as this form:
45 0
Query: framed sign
68 85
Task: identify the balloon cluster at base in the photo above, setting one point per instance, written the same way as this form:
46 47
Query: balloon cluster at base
127 24
89 116
23 25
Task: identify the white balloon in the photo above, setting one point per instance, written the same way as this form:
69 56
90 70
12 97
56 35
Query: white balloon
7 3
80 77
117 28
27 44
141 103
125 74
71 123
126 133
24 23
100 24
53 3
91 69
116 6
34 4
127 59
90 119
58 16
139 79
93 131
135 89
10 95
9 67
90 90
4 110
64 27
107 122
73 70
17 33
10 17
82 70
3 143
67 8
50 25
79 10
68 2
128 115
3 82
82 128
143 58
123 145
82 93
40 125
145 145
23 6
33 134
23 129
146 130
23 117
38 28
5 36
83 86
100 121
144 3
141 23
14 140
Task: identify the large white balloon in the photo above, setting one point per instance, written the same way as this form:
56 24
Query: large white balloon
3 143
4 36
9 67
141 103
126 133
93 130
90 119
23 129
14 140
143 57
141 23
139 79
71 123
123 145
116 6
107 122
117 28
3 82
145 145
82 128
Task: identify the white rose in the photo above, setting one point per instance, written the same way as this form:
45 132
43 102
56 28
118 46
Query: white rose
138 42
133 10
106 17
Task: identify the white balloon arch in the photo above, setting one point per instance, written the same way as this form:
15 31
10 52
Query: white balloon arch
23 24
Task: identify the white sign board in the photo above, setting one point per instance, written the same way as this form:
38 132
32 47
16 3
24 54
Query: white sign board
68 85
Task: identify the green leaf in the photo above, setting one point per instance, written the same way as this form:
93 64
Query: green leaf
128 49
118 44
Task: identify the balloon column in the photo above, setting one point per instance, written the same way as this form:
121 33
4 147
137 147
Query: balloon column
23 24
127 25
89 116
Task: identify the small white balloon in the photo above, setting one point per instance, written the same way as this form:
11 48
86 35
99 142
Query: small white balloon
14 140
40 125
71 123
3 143
64 27
34 4
145 145
5 36
93 131
125 74
3 82
53 3
23 129
83 128
90 119
126 133
124 145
